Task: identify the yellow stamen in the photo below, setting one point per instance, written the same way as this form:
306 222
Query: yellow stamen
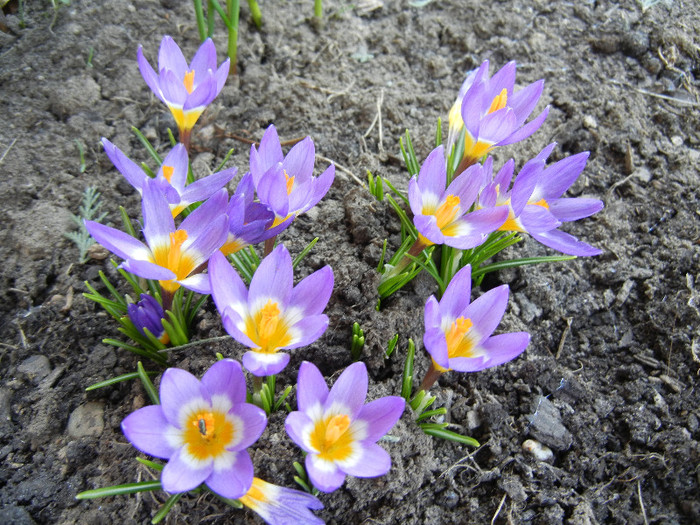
541 202
175 254
499 102
447 211
290 182
256 494
207 434
170 256
168 172
459 343
189 81
268 329
331 438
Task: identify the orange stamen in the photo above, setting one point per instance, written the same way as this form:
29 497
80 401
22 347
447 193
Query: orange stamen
175 253
290 182
447 211
189 81
499 102
168 172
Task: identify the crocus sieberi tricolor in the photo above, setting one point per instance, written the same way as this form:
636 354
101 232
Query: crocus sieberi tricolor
171 177
148 314
442 214
458 333
175 256
286 183
492 112
281 506
337 430
187 89
535 204
202 428
272 314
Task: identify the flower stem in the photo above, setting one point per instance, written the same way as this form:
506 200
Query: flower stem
431 376
269 245
167 298
415 251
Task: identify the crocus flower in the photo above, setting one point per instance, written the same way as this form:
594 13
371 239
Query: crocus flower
148 314
458 333
535 204
249 221
186 89
492 112
171 177
286 184
202 428
173 256
442 215
337 430
281 506
273 314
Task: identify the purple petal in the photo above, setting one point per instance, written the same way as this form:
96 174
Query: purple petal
263 364
231 321
202 95
181 475
524 101
272 191
311 387
428 228
201 219
537 219
436 345
222 74
375 461
232 480
149 75
272 280
505 347
526 130
178 160
228 289
311 295
325 476
127 167
415 197
466 185
350 390
565 243
432 177
207 186
226 378
300 160
567 210
524 185
158 221
310 328
497 125
504 78
468 364
487 311
170 57
431 313
381 415
297 425
145 430
118 242
204 59
147 270
253 421
319 187
559 177
173 89
209 241
456 296
177 388
198 283
270 151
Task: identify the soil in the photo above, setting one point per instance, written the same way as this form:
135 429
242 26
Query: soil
609 381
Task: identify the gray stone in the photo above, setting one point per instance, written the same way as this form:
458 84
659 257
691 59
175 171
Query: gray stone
86 420
36 367
14 515
546 425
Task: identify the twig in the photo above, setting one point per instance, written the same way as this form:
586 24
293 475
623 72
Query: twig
656 95
641 502
569 320
498 510
341 168
377 121
7 150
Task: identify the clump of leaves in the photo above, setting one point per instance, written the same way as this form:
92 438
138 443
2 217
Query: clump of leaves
89 210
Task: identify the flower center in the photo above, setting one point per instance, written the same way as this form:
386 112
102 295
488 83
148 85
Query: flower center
459 343
268 329
168 172
541 202
170 256
331 438
499 101
290 182
447 211
188 81
207 434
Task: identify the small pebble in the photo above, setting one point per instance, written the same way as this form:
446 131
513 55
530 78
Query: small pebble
538 451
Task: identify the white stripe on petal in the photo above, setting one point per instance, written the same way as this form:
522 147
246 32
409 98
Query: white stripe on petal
190 408
353 459
225 461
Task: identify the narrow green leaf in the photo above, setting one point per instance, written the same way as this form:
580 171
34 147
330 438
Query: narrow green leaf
147 384
166 508
452 436
406 383
146 144
151 464
501 265
430 413
118 379
223 162
118 490
303 253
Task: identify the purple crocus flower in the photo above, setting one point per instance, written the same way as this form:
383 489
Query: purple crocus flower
337 430
202 428
171 177
458 333
249 221
186 89
492 112
535 204
273 314
281 506
286 184
173 256
148 314
441 215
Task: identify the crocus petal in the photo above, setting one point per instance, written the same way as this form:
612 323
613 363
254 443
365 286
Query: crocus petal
272 191
180 475
170 57
158 221
505 347
201 219
536 219
173 89
297 426
525 100
433 175
253 421
350 390
380 416
526 130
204 188
310 328
147 270
270 150
374 462
415 196
176 159
311 387
228 289
559 177
261 364
222 74
319 187
487 311
272 279
209 241
299 162
456 296
232 320
226 377
234 478
149 75
177 388
567 210
468 364
432 315
324 475
436 345
144 429
565 243
202 95
118 242
428 228
497 125
311 295
198 283
127 167
204 59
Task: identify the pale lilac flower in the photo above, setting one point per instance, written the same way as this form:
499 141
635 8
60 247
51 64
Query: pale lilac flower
273 314
148 314
442 215
281 506
173 256
337 430
458 333
286 184
535 204
492 112
171 177
187 89
202 428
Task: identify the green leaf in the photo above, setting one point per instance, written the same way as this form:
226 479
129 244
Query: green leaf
118 379
146 144
118 490
303 253
151 464
147 384
166 507
407 381
501 265
452 436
